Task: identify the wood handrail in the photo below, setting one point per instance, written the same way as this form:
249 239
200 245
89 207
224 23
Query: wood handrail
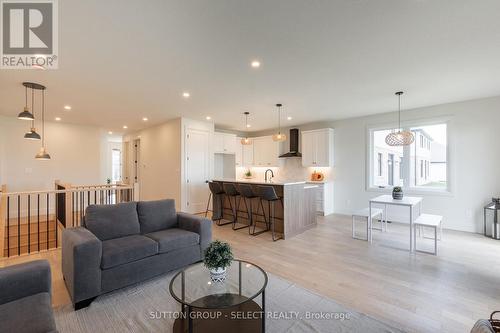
121 187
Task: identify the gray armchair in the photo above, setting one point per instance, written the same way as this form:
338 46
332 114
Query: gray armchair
25 299
119 245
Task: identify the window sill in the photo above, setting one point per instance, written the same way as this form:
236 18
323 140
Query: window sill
414 191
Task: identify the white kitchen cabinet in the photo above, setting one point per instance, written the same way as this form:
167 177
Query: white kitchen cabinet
224 143
265 152
238 154
317 148
247 158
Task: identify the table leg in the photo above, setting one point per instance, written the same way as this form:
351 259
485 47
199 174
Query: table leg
385 217
190 320
370 222
484 218
411 229
264 310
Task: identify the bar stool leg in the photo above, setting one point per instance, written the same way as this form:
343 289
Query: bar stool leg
222 211
235 220
272 220
208 203
261 205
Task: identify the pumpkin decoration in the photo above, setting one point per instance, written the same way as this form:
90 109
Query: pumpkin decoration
317 176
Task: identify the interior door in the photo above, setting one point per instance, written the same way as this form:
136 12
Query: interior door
197 169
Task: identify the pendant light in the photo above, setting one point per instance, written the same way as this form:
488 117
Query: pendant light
246 141
42 154
32 134
279 137
401 137
26 114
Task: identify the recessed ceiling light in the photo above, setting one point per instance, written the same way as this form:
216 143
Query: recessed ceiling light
67 107
208 118
110 132
289 118
125 126
185 94
248 125
58 119
255 64
145 119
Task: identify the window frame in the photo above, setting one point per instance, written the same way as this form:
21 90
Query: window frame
369 163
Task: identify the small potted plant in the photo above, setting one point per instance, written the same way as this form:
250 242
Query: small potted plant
248 174
217 257
397 193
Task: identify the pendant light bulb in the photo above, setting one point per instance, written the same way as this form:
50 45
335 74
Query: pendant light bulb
279 137
246 141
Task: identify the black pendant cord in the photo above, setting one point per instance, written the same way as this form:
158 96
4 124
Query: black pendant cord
399 108
246 124
279 118
43 118
32 106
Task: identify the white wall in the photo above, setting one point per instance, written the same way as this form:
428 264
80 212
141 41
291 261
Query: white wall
75 155
160 161
162 157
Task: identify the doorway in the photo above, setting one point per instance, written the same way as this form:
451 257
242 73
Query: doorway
197 170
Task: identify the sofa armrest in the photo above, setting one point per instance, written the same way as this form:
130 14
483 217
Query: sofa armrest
81 263
198 224
24 280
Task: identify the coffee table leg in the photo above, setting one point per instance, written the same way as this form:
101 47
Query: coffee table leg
264 311
190 320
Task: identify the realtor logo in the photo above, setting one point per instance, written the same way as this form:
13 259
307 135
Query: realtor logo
29 35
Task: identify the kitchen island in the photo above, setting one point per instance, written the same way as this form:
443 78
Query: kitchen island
294 216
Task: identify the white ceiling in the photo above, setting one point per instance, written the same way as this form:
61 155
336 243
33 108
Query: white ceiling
123 60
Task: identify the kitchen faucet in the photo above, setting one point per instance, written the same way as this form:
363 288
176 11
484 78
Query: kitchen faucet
272 175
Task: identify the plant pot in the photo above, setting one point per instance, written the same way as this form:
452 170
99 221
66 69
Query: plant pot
397 195
218 274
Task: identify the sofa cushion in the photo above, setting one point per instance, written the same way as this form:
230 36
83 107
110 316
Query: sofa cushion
123 250
28 314
156 215
112 221
174 238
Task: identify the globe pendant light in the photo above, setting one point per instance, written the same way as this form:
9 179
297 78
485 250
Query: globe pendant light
279 137
246 141
399 138
32 134
26 114
42 154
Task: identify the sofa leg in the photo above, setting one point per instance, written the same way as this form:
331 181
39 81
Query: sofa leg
84 303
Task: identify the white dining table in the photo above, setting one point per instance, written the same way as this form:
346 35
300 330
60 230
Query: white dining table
386 200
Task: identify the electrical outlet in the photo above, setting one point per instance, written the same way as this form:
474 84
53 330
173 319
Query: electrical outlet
468 213
348 202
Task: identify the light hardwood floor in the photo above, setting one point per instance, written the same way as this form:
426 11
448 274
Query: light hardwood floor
417 293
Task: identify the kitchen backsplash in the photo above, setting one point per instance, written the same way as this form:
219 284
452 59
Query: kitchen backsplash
290 169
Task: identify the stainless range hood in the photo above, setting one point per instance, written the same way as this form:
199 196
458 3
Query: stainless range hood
294 144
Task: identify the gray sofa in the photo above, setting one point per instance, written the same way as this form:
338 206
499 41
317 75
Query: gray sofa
119 245
25 300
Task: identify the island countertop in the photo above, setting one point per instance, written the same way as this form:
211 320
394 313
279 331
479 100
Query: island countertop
293 213
257 182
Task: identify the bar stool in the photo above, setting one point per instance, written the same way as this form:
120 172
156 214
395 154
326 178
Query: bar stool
268 193
216 191
232 192
247 193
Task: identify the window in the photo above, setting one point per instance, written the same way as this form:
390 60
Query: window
422 165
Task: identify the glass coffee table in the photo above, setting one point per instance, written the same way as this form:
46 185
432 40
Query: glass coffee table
228 306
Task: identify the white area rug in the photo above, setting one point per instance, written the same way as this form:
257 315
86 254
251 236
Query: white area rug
134 309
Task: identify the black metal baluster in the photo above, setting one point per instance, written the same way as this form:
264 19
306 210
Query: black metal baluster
47 224
73 209
8 226
18 225
38 220
29 223
95 197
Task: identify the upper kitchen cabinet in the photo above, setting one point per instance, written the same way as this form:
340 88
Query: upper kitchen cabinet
225 143
317 148
265 152
247 158
238 155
